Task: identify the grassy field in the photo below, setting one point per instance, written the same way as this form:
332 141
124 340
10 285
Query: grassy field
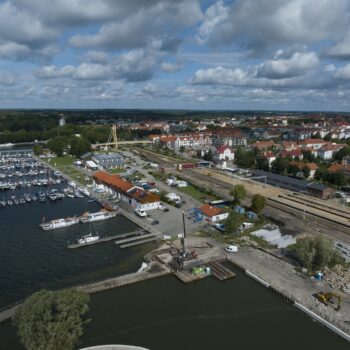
116 171
65 165
195 193
60 161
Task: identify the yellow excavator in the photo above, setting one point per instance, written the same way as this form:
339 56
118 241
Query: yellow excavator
329 298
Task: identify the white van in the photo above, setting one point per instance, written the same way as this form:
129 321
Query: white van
140 213
231 249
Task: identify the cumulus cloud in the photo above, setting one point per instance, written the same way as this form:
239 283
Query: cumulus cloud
213 16
143 26
261 23
133 66
293 66
341 49
343 72
168 67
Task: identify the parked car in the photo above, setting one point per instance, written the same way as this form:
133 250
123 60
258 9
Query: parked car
161 206
231 249
155 222
140 213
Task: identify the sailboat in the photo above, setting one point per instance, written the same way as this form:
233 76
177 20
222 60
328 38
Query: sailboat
88 238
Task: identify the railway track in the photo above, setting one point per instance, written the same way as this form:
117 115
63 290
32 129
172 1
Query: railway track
301 210
318 202
327 209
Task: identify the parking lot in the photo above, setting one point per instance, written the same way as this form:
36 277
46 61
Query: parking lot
170 222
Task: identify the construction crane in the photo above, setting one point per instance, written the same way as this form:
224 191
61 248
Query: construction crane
328 298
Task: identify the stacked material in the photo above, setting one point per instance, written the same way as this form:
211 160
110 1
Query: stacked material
273 236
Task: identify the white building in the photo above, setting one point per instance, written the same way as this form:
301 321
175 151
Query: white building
213 214
224 153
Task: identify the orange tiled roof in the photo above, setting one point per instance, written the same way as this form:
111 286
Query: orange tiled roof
209 210
113 180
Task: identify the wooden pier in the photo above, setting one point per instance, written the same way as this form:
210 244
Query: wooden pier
137 238
140 233
128 245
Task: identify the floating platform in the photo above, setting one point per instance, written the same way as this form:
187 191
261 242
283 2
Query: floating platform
217 270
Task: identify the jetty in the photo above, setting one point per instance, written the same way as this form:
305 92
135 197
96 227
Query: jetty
139 232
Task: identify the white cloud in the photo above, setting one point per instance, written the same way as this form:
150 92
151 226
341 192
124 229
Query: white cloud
341 49
295 65
53 72
143 26
213 16
261 23
171 67
220 75
343 72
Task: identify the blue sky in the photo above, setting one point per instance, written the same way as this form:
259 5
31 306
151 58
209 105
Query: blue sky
240 54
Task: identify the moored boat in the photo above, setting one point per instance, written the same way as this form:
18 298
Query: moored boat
59 223
98 216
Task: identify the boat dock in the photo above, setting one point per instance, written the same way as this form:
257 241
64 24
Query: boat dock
133 241
110 238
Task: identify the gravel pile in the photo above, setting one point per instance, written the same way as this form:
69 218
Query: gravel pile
338 278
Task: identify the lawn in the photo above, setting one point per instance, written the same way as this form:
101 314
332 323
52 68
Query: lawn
60 161
116 171
195 193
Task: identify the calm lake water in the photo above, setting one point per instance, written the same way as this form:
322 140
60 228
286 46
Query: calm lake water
164 314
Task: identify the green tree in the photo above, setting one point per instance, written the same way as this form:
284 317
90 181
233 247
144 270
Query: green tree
238 193
343 152
307 155
293 169
305 252
232 223
57 145
328 137
209 156
280 165
321 174
306 172
182 149
50 320
317 253
38 149
262 163
258 203
79 145
338 179
245 159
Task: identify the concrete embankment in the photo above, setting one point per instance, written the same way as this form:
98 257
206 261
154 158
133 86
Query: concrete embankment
323 321
153 270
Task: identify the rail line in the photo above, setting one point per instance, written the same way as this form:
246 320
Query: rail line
269 200
310 200
315 205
